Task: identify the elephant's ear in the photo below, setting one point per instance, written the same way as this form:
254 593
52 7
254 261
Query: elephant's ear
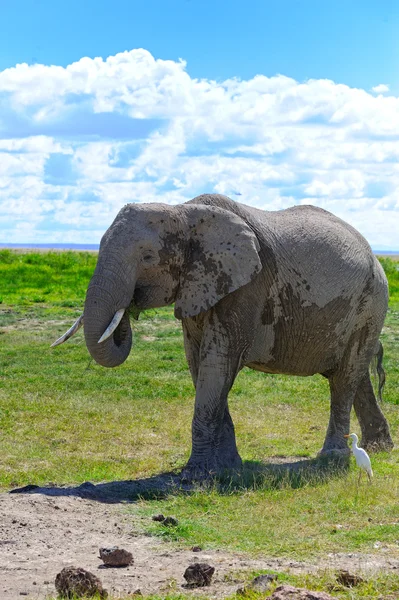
221 256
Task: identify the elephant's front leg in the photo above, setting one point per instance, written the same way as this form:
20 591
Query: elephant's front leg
213 439
342 395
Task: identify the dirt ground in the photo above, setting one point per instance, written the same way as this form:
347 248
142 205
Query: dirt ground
41 533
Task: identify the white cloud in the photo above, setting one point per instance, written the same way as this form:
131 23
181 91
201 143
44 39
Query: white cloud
381 88
77 143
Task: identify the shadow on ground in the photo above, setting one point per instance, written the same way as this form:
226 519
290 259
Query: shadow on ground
254 474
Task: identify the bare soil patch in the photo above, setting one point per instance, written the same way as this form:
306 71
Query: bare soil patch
34 324
40 535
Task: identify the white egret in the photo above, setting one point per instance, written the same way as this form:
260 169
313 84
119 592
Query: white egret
362 458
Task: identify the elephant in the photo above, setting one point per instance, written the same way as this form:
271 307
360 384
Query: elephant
295 291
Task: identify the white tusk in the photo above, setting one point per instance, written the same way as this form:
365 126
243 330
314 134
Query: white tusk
71 331
112 326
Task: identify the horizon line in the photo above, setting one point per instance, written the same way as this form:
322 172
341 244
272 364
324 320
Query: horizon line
82 246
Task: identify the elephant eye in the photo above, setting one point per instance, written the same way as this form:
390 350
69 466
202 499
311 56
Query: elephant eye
149 258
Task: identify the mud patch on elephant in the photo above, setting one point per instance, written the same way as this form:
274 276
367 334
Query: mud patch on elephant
312 334
267 316
197 255
366 296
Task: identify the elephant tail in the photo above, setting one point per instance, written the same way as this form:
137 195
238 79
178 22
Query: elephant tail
378 369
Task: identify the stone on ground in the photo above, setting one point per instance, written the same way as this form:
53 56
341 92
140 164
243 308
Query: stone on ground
348 579
75 581
288 592
199 574
116 557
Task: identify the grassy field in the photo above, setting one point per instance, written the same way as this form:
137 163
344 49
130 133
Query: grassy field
63 419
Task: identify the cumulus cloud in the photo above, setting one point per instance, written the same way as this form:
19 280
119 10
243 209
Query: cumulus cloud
381 88
79 142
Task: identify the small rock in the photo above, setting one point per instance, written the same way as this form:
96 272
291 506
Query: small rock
75 581
116 557
262 582
170 522
242 591
288 592
196 549
348 579
259 584
199 574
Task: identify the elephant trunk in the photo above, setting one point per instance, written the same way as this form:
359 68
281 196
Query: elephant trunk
110 290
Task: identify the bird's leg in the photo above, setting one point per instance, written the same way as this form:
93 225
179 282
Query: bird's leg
369 476
360 476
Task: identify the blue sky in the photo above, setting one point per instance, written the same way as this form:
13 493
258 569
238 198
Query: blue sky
275 103
354 42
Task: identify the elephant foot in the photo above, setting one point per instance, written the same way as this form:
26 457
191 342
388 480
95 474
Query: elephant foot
202 469
378 443
335 452
192 473
335 447
333 457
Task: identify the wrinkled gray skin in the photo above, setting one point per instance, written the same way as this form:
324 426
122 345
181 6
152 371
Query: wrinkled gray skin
296 291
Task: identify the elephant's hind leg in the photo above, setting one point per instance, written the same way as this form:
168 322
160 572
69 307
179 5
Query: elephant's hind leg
351 385
373 425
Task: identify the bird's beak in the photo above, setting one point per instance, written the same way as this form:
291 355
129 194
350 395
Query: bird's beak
346 436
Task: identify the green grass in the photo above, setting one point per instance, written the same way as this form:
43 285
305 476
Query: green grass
58 279
330 515
391 268
64 419
377 587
